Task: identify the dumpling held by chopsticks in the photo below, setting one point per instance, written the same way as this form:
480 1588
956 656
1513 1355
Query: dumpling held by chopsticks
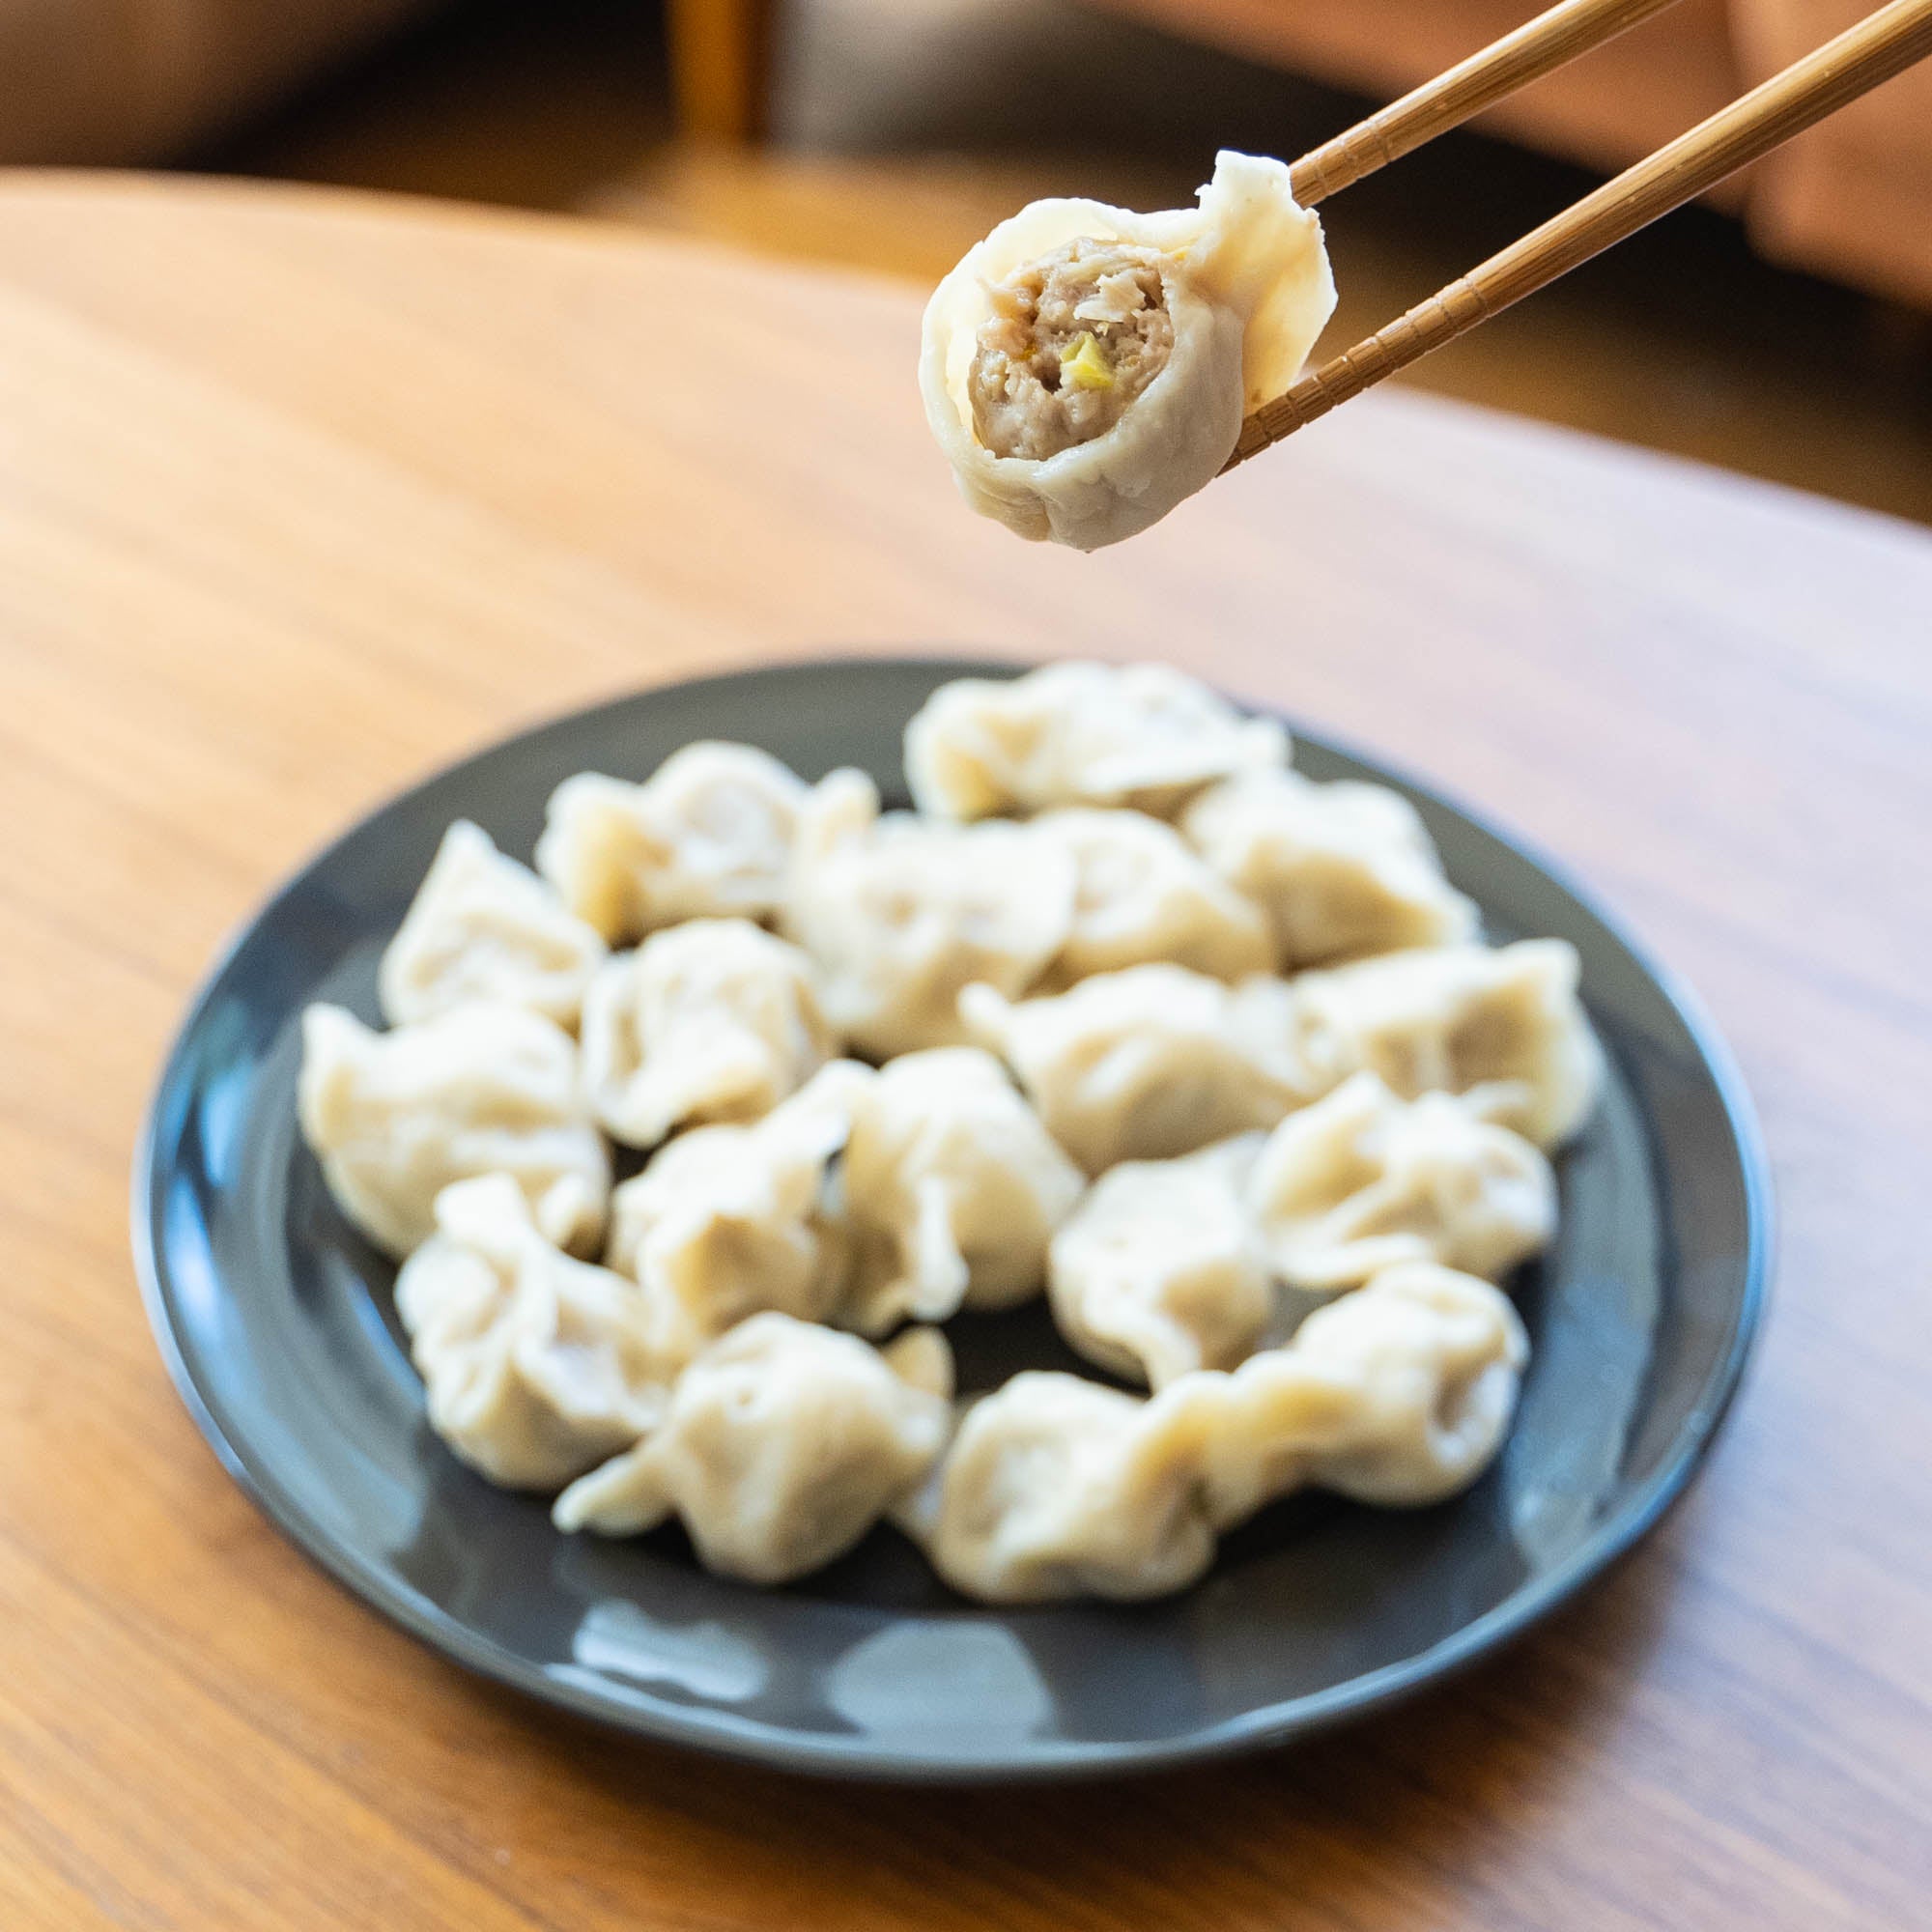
1086 367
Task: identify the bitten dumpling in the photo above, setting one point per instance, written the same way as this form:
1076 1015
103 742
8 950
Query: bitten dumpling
537 1366
712 1020
952 1191
707 835
1343 869
394 1117
1148 1063
1159 1269
1141 897
731 1220
784 1442
1362 1179
484 927
1504 1026
1085 368
1143 735
899 914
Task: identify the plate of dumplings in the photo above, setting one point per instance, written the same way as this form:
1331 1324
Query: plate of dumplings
938 1220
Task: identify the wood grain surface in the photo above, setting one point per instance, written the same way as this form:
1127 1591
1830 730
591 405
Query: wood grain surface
301 495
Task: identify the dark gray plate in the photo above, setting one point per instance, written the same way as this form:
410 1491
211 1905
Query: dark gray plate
276 1322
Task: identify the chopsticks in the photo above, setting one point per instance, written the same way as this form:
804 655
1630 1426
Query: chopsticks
1883 44
1537 48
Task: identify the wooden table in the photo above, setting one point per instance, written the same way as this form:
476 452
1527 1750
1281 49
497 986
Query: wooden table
301 493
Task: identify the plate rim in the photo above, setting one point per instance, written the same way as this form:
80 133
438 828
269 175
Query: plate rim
723 1733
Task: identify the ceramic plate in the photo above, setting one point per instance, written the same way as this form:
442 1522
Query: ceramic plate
278 1328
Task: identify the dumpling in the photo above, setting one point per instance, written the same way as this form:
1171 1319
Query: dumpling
900 913
1143 735
731 1220
537 1366
1148 1063
952 1191
484 927
1398 1395
1504 1026
784 1442
1362 1179
712 1020
707 835
1160 1269
1085 368
395 1116
1343 869
1055 1486
1141 895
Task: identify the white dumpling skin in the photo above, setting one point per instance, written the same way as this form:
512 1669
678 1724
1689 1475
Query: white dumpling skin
484 927
1248 290
707 835
1148 1063
1363 1179
899 914
537 1366
1159 1269
1503 1025
1077 732
1344 870
733 1220
394 1117
951 1190
783 1443
1055 1486
1142 896
1399 1395
712 1020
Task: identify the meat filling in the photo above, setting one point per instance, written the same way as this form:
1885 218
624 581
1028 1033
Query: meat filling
1073 339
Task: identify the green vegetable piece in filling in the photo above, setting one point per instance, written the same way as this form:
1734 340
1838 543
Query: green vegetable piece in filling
1083 365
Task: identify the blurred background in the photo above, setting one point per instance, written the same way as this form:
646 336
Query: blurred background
1786 331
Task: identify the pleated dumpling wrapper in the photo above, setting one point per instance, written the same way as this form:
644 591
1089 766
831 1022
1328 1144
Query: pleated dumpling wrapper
1085 368
538 1366
783 1443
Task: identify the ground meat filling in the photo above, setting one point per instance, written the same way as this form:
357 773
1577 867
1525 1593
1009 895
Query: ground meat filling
1073 339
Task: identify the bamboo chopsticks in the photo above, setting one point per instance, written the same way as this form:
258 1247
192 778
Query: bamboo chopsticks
1537 48
1884 43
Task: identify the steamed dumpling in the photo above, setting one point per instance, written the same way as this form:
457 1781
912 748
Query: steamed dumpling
1504 1026
712 1020
951 1190
1055 1486
1143 735
733 1220
537 1366
899 914
1362 1179
1343 869
1159 1269
784 1442
707 835
1085 368
484 927
1141 895
1398 1395
1148 1063
394 1117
